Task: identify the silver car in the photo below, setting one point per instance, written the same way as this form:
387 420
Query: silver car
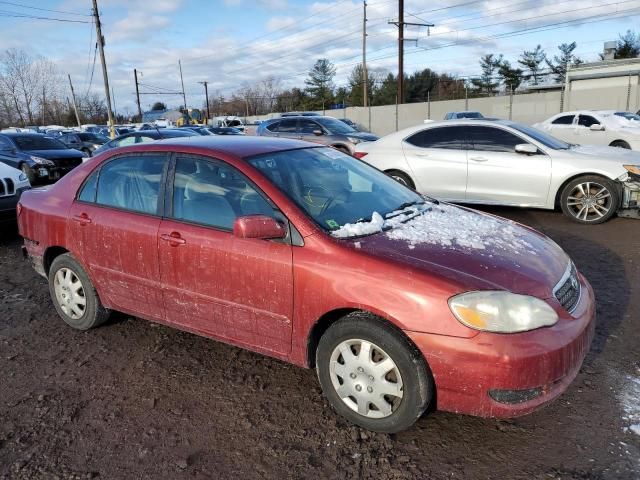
317 129
506 163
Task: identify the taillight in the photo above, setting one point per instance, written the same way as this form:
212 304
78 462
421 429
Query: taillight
360 154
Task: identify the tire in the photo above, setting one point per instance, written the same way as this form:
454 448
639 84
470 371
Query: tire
590 199
29 172
620 144
64 275
402 178
349 383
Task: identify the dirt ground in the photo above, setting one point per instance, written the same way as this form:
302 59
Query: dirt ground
133 400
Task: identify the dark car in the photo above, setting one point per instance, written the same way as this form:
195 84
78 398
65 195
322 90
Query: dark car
86 142
309 255
145 137
40 158
318 129
225 131
300 114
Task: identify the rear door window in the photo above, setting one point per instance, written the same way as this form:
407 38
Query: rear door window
131 183
287 126
564 120
307 127
449 138
587 120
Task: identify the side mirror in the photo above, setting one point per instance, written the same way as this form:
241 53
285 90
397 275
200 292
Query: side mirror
258 226
596 127
526 149
317 132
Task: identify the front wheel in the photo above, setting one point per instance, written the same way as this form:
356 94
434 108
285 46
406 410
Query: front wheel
590 199
372 375
620 144
402 178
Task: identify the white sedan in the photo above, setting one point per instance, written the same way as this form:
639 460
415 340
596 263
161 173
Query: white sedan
505 163
595 127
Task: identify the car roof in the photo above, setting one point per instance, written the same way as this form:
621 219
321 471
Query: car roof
231 145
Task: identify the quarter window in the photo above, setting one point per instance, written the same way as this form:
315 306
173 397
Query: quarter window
450 138
490 139
131 183
212 193
564 120
89 189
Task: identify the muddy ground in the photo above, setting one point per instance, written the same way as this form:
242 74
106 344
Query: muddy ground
133 400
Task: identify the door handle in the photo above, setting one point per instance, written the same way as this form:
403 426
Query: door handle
83 219
479 159
173 238
421 154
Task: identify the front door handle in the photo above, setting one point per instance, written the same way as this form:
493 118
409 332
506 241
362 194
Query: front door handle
479 159
173 238
83 219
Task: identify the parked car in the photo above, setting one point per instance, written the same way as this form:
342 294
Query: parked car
300 114
353 124
200 130
40 158
224 131
86 142
465 114
12 183
145 136
506 163
309 255
317 129
591 127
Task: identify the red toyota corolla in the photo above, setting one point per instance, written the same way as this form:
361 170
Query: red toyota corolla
306 254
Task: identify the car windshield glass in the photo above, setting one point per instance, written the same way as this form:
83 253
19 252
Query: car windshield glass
470 115
628 116
334 126
92 137
38 142
542 137
178 133
340 193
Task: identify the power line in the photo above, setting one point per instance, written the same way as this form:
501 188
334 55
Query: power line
22 5
34 17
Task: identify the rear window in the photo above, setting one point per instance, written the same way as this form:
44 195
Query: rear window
38 142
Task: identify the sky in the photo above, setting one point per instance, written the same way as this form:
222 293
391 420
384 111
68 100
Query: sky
231 43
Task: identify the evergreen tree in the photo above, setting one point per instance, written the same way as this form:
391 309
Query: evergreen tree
356 79
320 83
510 76
561 62
628 45
532 61
387 92
486 83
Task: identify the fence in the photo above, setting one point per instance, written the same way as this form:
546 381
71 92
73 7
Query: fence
525 108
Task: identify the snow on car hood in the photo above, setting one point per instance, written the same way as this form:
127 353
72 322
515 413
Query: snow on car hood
622 155
479 250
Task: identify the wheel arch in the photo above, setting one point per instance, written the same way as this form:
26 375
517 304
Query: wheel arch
50 254
558 193
389 171
619 140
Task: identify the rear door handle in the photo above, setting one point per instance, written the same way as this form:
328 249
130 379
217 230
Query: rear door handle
173 238
479 159
82 219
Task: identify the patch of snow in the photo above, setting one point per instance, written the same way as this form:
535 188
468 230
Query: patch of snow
629 399
361 228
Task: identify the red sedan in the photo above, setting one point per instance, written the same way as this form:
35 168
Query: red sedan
303 253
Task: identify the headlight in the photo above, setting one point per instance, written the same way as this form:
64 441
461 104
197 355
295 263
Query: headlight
40 160
354 140
22 177
635 169
502 312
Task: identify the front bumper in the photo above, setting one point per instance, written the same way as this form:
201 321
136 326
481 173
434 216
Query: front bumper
51 172
8 206
630 205
528 369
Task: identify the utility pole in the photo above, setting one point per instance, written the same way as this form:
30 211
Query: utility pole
365 95
73 96
184 97
135 75
44 103
105 76
115 108
206 94
400 24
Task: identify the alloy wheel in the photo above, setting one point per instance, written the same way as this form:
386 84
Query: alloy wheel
69 293
366 378
589 201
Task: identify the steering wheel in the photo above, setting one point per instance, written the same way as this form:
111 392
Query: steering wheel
310 199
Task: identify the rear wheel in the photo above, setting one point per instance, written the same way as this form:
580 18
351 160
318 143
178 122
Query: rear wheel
590 199
620 144
402 178
372 375
73 294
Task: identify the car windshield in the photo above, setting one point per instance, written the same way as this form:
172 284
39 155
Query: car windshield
178 133
470 115
335 189
92 137
38 142
628 116
542 137
334 126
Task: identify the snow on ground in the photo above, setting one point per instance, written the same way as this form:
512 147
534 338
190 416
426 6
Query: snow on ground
629 398
444 225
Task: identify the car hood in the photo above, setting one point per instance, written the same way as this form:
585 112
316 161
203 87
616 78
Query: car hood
474 250
613 154
55 154
364 136
10 172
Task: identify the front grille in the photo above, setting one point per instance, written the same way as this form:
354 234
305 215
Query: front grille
568 290
7 187
67 162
